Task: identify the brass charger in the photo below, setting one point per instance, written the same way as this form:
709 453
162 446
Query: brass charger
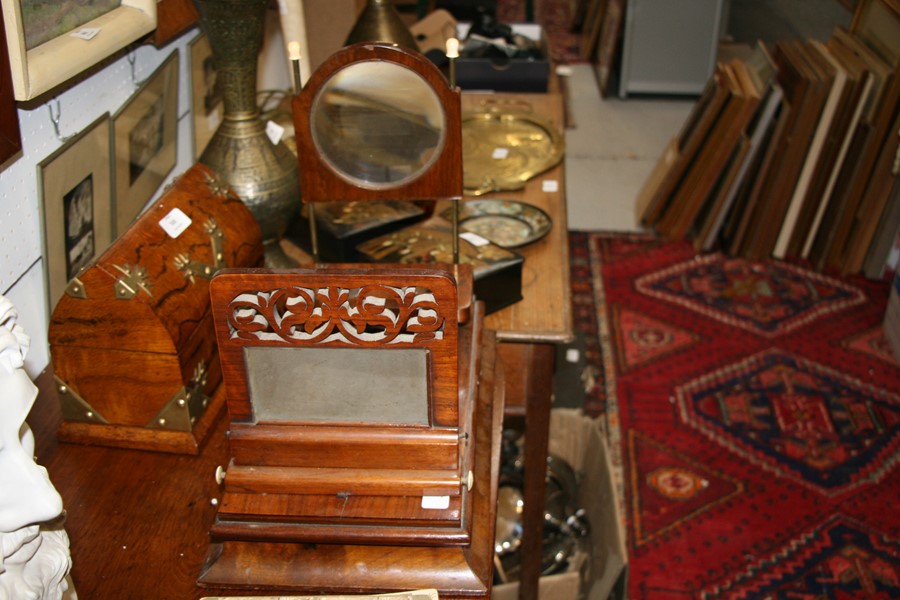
503 150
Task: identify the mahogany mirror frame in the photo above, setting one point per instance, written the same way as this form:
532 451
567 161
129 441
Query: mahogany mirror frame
442 179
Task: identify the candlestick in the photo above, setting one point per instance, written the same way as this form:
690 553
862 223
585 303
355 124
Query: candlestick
294 55
453 54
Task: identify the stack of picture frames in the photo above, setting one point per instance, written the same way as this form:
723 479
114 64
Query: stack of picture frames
94 185
789 152
99 180
97 183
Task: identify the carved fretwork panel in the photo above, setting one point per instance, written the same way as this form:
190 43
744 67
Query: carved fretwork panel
373 315
395 309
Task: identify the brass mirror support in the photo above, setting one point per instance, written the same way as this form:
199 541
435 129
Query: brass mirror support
455 230
452 55
313 233
294 52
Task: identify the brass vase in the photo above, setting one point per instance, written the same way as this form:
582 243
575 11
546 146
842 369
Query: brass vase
263 174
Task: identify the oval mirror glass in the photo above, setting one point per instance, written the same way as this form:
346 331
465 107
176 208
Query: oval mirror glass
377 124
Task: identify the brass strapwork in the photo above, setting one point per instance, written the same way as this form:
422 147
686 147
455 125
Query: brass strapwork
186 406
133 280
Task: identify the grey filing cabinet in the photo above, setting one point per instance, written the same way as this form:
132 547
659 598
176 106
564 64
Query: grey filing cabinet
670 46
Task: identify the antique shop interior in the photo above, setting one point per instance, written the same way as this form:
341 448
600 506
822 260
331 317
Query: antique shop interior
574 299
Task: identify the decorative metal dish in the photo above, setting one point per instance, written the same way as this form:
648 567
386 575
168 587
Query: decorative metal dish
501 151
506 223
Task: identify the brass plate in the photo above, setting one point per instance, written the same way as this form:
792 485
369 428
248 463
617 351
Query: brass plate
506 223
501 151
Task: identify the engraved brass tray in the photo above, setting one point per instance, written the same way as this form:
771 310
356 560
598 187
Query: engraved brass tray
506 223
502 151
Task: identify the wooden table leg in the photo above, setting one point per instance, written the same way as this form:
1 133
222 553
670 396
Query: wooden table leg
529 377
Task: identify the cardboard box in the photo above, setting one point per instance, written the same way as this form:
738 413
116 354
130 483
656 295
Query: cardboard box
601 573
506 75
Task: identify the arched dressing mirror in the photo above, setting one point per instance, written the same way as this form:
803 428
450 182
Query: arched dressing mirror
378 122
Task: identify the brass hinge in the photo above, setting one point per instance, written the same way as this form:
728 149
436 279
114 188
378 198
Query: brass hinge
186 406
195 268
74 407
133 280
75 289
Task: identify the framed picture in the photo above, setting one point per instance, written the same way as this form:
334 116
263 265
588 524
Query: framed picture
51 42
75 187
144 142
207 106
10 137
173 17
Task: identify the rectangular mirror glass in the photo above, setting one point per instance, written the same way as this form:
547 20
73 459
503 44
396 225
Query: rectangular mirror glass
338 385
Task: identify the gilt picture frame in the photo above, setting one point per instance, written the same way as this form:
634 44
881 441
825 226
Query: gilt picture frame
75 190
145 132
40 68
207 104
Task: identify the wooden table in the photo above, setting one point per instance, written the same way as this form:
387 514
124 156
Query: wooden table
530 329
544 315
138 521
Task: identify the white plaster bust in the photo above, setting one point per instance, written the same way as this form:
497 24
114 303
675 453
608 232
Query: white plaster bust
34 554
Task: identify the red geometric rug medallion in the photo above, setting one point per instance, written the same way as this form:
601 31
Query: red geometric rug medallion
755 415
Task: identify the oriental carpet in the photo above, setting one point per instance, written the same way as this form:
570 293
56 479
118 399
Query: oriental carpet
753 411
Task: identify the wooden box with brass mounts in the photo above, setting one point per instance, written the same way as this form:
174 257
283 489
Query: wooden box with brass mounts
353 399
350 393
131 340
363 420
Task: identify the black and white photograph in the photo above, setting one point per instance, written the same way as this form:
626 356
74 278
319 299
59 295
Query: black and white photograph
207 106
144 142
78 205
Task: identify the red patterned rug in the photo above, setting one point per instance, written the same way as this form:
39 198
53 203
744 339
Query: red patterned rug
754 412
